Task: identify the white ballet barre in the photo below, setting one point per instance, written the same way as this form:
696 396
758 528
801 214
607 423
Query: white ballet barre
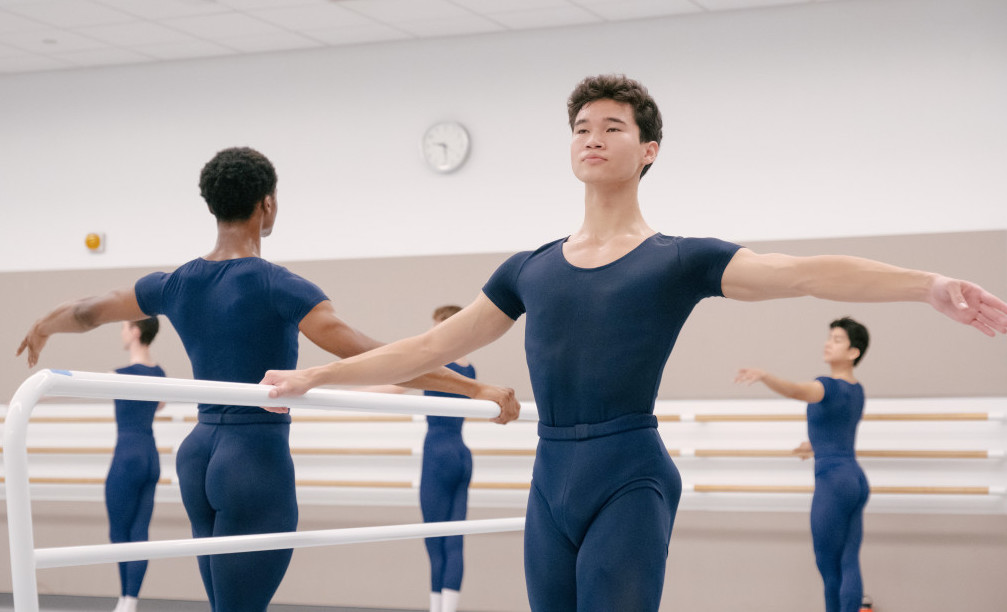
25 559
135 551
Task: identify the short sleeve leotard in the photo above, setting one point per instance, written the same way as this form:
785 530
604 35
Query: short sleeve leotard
236 318
597 341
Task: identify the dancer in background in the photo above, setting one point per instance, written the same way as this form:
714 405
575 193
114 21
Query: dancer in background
835 406
444 485
136 465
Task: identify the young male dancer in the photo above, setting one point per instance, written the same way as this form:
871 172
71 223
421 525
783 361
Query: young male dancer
604 490
239 315
835 405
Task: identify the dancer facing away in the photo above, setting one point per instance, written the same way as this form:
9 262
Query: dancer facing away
136 465
444 489
835 406
238 315
444 485
604 490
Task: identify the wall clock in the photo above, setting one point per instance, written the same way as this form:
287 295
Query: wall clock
445 146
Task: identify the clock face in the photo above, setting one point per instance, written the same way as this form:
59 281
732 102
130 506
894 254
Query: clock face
445 146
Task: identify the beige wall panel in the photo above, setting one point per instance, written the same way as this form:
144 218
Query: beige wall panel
914 352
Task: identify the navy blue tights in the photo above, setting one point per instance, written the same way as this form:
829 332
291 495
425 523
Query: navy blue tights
600 515
837 529
444 488
129 499
236 480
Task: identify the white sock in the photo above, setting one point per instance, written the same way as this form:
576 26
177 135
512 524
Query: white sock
435 602
449 600
118 605
129 604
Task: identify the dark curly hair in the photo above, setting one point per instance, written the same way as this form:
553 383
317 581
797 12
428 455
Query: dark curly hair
235 181
619 88
148 329
856 332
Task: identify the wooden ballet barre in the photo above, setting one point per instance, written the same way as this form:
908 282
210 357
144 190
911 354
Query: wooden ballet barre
880 416
500 485
894 454
898 490
370 484
69 480
337 418
86 419
84 450
296 450
530 452
504 452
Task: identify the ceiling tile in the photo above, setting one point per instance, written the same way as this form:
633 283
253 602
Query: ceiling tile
246 5
489 7
358 35
166 9
546 18
104 57
615 10
224 25
281 41
315 17
725 5
51 41
188 50
9 22
450 26
140 33
399 11
69 13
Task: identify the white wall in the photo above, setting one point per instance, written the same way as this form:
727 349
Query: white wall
891 111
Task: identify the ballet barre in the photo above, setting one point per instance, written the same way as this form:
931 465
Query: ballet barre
25 558
883 490
748 453
663 418
490 485
877 416
872 454
135 551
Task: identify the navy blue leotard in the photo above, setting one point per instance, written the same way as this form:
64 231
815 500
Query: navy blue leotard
841 492
604 490
132 477
236 318
444 489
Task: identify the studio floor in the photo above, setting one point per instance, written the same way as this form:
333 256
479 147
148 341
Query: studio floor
64 603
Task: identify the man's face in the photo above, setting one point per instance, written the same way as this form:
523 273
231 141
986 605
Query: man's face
606 143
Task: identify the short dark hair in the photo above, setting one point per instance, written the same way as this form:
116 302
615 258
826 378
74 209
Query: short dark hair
148 329
235 181
619 88
857 333
446 312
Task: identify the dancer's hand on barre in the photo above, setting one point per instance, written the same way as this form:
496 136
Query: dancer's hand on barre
287 383
510 408
804 451
970 304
